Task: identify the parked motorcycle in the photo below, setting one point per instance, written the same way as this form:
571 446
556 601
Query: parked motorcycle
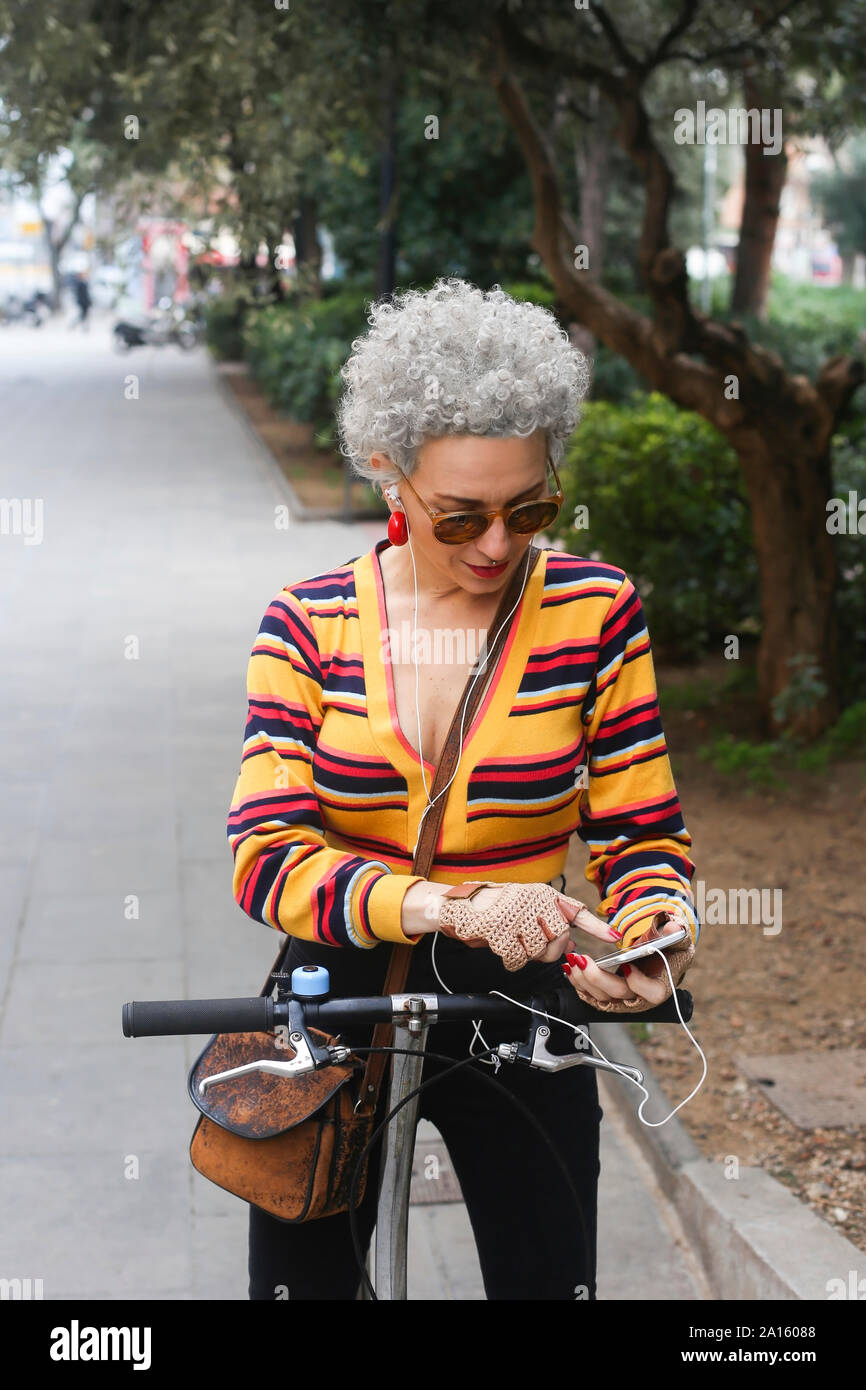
169 323
33 311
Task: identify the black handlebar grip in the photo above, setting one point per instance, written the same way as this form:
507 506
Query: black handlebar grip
160 1017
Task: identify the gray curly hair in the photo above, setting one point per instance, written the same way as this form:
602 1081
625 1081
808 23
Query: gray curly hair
456 360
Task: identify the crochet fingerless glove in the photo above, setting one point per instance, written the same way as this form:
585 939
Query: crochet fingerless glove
510 927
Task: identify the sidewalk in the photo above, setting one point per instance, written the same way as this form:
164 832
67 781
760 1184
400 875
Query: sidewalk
127 642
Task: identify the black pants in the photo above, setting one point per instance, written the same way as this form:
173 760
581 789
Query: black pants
528 1231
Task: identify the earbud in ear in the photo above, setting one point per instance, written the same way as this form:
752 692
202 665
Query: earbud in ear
392 493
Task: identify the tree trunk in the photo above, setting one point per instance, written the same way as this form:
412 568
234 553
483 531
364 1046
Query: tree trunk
56 245
592 159
248 271
308 251
592 162
765 178
385 272
54 262
798 569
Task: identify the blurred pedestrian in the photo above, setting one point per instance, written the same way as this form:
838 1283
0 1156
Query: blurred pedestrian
83 300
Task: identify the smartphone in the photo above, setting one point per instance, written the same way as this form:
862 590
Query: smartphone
612 963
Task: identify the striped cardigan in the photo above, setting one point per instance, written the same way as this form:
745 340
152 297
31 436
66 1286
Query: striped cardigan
568 737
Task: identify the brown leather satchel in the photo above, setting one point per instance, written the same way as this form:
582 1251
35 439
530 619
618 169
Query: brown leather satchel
290 1145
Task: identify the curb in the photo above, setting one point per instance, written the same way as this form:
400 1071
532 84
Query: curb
299 510
753 1237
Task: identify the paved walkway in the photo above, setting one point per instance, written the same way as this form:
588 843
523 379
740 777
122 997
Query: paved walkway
125 647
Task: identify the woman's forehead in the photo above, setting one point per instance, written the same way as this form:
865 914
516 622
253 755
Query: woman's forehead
485 475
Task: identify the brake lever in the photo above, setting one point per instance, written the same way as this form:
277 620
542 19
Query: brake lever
309 1055
535 1052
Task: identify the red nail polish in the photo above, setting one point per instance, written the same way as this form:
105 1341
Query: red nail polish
580 962
626 970
571 957
565 966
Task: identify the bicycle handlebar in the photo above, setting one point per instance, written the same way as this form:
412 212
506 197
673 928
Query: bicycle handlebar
161 1017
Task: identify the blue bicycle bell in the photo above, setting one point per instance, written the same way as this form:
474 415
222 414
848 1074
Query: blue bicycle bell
310 981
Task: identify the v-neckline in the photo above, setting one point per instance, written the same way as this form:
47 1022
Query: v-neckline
379 681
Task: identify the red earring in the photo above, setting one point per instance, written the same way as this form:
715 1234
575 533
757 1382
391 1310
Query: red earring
398 530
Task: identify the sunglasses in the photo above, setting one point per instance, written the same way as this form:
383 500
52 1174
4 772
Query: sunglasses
523 518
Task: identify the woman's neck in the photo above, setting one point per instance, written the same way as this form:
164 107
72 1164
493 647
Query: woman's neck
435 592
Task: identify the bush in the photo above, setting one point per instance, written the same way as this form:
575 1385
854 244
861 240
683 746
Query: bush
756 763
296 350
613 379
534 292
224 321
848 734
762 764
740 681
666 503
806 323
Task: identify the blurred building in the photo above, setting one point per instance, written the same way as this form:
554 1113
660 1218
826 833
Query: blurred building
803 248
24 263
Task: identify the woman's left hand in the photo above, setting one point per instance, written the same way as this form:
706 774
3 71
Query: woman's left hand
631 984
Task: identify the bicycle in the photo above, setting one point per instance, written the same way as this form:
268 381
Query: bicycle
307 1005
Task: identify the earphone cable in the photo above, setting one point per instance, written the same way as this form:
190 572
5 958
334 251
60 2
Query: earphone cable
651 1124
488 651
493 1061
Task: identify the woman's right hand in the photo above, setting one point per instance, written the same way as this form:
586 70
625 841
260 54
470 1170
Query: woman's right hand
519 921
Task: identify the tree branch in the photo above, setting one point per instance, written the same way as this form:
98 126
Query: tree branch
614 38
690 383
519 47
677 29
729 50
838 379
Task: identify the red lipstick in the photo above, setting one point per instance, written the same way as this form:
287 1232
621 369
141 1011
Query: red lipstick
487 571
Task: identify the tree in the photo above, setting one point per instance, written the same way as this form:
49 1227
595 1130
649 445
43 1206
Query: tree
780 425
193 88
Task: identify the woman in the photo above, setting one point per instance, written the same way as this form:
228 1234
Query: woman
460 401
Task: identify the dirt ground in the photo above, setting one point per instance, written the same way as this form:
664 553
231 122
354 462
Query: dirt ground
758 993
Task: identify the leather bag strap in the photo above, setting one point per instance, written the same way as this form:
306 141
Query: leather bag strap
425 850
